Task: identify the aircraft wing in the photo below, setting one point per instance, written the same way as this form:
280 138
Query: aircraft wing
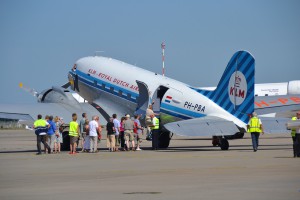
204 126
283 106
215 126
275 125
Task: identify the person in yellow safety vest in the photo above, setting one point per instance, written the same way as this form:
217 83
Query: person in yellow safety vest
41 127
155 131
293 134
297 138
73 133
255 128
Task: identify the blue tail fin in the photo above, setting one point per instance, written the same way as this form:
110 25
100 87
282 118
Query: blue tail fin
235 91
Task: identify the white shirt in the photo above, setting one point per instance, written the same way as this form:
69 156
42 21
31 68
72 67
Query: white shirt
93 126
117 126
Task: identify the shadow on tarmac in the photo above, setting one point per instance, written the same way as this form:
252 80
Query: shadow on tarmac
189 148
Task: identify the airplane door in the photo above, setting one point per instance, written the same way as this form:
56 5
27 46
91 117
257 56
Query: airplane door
146 98
143 99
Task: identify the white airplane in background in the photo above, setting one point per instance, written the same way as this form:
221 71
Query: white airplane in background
117 87
111 86
272 89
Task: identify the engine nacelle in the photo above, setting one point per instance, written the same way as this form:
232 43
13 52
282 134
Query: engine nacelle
57 95
293 87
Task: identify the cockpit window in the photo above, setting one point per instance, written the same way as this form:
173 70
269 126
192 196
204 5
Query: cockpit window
74 67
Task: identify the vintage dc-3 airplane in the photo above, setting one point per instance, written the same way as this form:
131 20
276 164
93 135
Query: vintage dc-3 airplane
112 86
118 87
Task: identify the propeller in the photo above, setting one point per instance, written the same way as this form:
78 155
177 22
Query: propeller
30 90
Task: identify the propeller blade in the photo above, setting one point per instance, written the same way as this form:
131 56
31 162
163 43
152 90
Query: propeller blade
30 90
66 85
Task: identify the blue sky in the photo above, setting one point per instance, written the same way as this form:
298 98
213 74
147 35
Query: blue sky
40 39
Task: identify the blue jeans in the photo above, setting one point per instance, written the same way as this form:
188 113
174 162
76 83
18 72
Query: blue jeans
255 137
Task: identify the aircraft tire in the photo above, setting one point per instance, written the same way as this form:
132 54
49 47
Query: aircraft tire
164 139
224 144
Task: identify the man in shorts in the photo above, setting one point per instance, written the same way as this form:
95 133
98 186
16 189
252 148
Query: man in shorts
128 131
138 131
73 133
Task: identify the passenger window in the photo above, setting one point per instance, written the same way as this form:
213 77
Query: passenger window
111 89
95 83
120 92
129 96
103 86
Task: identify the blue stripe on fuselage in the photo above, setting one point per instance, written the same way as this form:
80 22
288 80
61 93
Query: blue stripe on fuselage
181 111
90 81
165 108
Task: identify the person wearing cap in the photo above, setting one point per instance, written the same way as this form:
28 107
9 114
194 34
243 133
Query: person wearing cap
255 128
297 139
128 132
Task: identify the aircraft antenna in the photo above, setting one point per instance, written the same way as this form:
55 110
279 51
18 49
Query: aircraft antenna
163 57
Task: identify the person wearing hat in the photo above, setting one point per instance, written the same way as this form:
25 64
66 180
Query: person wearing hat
297 139
128 132
255 128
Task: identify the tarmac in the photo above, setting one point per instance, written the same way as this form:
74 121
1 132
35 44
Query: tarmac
190 169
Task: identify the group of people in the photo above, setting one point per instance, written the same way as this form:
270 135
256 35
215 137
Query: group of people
49 133
122 135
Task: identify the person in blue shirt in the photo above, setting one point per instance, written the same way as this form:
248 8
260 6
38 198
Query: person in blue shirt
51 132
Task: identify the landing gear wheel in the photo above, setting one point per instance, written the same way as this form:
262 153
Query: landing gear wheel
65 146
164 139
224 144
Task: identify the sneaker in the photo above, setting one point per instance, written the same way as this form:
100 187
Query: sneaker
39 153
138 149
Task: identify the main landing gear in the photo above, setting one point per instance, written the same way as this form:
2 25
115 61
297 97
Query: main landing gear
221 142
